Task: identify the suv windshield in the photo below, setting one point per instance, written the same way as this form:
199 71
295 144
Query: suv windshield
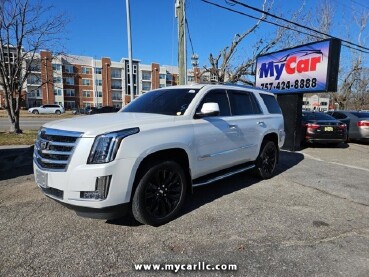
166 101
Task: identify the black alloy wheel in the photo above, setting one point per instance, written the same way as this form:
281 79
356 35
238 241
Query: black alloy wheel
159 194
267 160
35 112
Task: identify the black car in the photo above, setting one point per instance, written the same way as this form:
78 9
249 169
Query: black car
322 128
105 109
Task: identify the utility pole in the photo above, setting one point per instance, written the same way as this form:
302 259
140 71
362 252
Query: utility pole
128 10
181 15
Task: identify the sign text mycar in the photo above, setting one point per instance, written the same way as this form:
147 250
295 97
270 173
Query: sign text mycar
307 68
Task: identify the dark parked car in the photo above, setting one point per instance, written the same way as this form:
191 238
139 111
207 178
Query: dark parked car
322 128
87 110
105 109
358 127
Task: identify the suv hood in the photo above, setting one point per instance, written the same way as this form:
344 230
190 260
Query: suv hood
93 125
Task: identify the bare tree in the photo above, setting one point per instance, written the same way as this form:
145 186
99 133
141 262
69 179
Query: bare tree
25 29
223 66
354 83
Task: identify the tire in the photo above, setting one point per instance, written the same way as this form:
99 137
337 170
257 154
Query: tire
160 194
58 112
267 160
35 112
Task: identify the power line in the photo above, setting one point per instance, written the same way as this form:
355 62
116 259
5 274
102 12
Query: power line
277 24
296 24
189 37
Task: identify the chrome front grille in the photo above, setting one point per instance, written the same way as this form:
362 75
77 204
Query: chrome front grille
54 148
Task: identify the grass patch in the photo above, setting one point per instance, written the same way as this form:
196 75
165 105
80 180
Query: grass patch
27 138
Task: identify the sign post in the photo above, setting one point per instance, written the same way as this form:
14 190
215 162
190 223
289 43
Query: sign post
290 73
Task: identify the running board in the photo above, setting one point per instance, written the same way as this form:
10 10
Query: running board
202 181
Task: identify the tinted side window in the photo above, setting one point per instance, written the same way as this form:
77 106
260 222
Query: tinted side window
339 115
244 103
217 96
271 103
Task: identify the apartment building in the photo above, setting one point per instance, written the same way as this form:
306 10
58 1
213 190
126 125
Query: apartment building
83 81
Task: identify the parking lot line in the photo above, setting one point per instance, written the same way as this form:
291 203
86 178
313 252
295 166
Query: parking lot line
341 164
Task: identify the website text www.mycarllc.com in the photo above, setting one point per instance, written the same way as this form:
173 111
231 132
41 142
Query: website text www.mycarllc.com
200 266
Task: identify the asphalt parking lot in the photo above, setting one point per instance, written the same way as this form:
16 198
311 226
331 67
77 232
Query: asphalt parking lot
312 218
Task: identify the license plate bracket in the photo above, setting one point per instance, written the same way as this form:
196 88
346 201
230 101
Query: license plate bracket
41 178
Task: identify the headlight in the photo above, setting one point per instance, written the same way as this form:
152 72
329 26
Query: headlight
106 146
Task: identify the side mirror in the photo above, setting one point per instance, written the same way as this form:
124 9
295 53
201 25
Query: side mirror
209 109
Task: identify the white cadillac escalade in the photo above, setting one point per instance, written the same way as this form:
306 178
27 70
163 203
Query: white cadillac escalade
145 158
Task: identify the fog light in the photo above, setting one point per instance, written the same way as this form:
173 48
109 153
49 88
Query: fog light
102 186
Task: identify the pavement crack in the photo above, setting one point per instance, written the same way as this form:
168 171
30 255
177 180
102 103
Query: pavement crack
330 194
323 240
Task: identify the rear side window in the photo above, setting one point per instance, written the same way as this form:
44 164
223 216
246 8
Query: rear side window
244 103
217 96
271 103
339 115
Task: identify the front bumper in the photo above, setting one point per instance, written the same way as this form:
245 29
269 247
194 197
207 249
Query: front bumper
66 187
111 212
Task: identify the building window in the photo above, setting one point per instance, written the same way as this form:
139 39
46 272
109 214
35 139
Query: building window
57 67
86 70
68 68
34 93
69 80
9 59
129 90
162 76
98 82
117 96
169 77
98 93
86 82
162 86
33 80
34 66
98 70
116 84
88 104
146 86
134 68
58 103
324 103
57 91
190 78
116 73
69 92
70 104
146 75
86 93
57 80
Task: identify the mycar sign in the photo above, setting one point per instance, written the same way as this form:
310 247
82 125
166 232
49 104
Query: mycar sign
307 68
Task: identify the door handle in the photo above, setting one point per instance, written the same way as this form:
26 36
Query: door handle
232 126
261 123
